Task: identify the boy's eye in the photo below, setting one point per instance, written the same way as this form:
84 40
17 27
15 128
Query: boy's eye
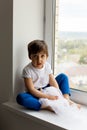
34 56
42 56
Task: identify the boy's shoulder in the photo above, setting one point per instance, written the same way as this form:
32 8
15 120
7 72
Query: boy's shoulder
28 66
47 64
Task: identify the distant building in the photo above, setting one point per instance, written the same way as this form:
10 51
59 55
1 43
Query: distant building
78 75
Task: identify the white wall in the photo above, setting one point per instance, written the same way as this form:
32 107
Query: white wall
27 26
20 22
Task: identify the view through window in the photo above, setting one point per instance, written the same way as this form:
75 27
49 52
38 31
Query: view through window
71 41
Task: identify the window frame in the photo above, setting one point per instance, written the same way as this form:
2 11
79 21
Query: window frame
49 36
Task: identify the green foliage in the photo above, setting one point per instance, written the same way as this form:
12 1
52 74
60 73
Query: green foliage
83 59
73 47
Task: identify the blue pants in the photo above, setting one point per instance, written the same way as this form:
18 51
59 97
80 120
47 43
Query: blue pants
31 102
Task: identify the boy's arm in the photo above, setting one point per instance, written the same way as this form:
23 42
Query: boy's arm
52 81
30 87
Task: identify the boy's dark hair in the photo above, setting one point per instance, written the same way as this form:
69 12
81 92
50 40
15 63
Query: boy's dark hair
37 46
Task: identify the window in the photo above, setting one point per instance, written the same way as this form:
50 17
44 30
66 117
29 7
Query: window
51 36
71 42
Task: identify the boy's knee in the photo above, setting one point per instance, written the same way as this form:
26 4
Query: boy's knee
61 77
28 101
64 75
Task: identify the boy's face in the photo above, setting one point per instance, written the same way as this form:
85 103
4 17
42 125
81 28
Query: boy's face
38 60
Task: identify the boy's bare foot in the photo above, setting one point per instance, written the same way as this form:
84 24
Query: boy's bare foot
47 108
73 103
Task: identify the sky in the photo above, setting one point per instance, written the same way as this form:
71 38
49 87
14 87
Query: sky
73 15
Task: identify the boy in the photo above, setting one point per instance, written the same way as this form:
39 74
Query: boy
38 75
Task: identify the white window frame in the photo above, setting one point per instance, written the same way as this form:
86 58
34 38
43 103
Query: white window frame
49 36
49 20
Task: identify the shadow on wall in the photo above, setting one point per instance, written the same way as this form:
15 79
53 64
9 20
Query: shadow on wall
19 64
18 85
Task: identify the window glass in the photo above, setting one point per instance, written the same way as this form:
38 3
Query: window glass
71 41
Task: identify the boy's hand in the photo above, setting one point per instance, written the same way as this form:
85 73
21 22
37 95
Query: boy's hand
52 97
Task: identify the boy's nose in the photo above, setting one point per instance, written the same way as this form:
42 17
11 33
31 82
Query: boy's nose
39 59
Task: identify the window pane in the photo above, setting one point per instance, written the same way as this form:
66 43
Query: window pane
71 41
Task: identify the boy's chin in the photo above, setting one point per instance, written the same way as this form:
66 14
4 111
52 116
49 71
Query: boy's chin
39 66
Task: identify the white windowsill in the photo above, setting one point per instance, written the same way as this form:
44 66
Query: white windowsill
45 118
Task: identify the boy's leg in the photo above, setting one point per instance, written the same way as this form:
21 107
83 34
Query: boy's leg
29 101
63 83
